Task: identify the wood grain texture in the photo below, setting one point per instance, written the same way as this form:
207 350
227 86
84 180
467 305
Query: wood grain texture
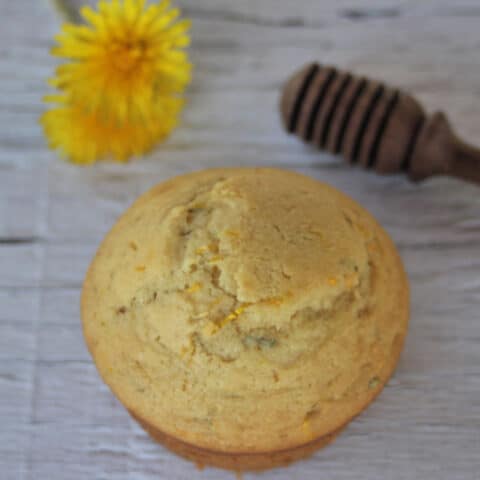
58 421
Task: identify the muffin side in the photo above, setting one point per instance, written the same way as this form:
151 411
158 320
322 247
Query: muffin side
236 461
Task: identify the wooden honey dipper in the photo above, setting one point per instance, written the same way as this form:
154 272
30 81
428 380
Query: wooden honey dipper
373 125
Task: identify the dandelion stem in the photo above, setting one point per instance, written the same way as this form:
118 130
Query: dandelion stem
67 10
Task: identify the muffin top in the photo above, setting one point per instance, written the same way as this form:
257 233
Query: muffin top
245 310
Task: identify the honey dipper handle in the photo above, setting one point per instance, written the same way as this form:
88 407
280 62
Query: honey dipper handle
440 152
466 162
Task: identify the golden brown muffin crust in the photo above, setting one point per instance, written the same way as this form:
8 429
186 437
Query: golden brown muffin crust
245 310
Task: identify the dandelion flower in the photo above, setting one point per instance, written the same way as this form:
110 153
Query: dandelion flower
85 137
122 81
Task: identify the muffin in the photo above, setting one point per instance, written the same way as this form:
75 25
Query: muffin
245 316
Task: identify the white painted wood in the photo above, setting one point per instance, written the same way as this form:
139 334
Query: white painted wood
57 420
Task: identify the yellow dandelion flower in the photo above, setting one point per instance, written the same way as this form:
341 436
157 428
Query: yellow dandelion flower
125 57
125 67
84 137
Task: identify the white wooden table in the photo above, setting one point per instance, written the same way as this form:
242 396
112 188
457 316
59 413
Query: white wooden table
57 419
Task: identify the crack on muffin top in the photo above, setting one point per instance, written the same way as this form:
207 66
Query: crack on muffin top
229 271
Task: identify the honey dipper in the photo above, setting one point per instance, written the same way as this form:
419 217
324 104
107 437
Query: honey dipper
374 125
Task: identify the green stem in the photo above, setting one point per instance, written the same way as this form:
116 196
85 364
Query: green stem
67 10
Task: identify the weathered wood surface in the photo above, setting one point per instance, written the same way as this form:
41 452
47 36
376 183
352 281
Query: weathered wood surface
57 420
